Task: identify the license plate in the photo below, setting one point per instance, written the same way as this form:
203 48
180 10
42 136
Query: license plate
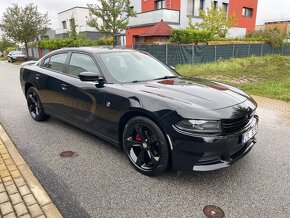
250 134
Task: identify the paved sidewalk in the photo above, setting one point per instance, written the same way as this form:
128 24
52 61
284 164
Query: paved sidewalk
21 195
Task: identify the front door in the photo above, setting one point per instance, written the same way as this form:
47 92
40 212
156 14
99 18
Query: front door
83 102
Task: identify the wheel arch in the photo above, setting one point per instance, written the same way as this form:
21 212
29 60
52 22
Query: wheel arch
129 115
27 86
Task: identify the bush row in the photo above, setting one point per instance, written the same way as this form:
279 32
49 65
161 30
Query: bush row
188 36
69 42
275 36
246 39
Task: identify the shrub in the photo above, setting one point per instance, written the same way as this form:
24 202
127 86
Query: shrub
188 36
256 39
105 41
12 48
274 36
81 41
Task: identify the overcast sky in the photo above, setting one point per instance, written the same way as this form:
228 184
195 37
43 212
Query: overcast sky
267 9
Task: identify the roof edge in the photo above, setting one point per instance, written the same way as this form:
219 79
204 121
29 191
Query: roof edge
72 9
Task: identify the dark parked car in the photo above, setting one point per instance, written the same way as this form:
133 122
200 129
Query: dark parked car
134 101
16 56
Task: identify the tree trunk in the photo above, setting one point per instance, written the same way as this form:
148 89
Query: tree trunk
26 50
114 40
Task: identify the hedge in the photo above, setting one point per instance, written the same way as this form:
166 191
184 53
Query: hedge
188 36
69 42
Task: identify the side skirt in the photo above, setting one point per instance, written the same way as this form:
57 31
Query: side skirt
107 139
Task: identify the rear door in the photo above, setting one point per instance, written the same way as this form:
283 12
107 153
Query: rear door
83 102
49 82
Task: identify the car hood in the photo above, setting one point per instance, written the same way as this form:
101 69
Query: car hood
196 93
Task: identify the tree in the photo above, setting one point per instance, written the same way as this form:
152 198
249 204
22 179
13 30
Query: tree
24 24
114 14
5 44
73 29
215 20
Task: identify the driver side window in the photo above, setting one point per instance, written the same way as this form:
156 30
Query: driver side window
81 63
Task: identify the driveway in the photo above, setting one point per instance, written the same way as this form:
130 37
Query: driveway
99 181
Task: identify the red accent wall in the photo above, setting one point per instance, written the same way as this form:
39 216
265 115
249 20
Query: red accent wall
236 8
175 4
132 32
149 5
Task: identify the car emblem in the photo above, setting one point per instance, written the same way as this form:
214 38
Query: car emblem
108 104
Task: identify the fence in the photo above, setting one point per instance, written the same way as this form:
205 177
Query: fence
195 54
37 53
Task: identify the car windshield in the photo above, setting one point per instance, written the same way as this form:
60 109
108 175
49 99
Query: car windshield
16 52
135 67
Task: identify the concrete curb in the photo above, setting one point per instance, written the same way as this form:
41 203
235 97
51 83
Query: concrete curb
42 198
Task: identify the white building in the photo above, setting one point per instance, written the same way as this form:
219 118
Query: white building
80 16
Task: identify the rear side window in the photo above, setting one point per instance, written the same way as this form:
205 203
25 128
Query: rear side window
56 62
81 63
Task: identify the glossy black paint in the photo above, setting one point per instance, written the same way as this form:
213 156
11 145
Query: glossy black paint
103 109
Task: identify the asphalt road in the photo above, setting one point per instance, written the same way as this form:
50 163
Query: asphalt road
99 181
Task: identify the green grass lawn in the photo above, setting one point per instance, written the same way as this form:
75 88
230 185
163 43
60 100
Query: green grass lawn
3 59
267 76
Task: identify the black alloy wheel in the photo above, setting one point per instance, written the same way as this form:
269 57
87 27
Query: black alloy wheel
145 146
34 105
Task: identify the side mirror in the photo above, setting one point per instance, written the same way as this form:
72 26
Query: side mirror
92 77
88 76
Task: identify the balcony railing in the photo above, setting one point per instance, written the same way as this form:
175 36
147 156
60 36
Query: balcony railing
151 17
79 29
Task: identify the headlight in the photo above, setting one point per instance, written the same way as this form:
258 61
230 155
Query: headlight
200 126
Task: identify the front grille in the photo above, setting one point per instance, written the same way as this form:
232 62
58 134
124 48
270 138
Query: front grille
234 125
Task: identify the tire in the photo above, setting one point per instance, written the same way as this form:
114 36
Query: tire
34 105
145 146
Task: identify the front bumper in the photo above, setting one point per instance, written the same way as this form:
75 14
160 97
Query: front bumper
205 153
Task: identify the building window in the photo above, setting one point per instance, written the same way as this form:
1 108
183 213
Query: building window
159 4
248 12
64 25
215 4
201 5
225 7
193 7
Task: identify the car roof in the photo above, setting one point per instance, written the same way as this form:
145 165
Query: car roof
96 50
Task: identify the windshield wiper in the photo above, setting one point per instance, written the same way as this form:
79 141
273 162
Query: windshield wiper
136 81
166 77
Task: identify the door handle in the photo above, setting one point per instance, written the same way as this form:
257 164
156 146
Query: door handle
64 87
37 76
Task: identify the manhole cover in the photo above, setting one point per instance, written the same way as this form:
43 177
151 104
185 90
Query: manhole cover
67 153
212 211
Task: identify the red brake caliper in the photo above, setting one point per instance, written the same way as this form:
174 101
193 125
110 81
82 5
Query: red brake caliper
138 138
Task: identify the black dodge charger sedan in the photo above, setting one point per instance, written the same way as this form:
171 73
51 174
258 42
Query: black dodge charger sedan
136 102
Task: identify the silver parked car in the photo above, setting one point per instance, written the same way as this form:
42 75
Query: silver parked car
16 56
